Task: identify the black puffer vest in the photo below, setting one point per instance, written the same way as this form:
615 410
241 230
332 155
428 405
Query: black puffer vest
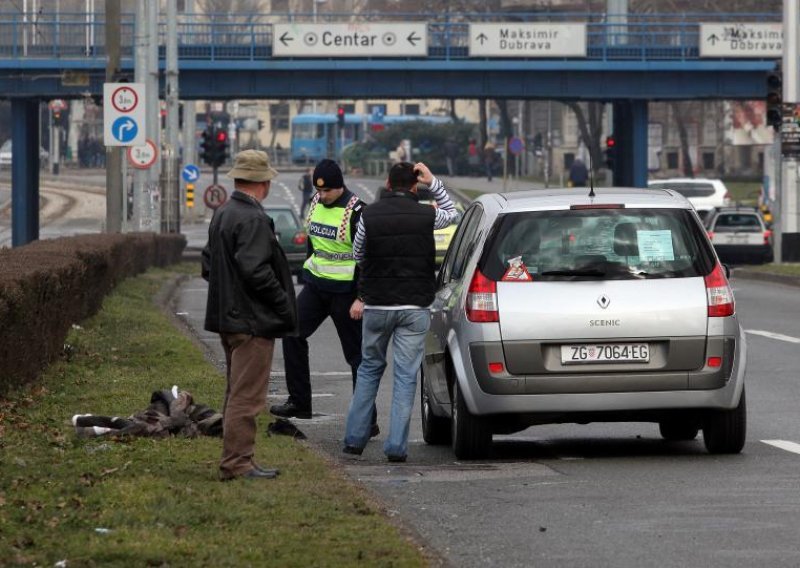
399 263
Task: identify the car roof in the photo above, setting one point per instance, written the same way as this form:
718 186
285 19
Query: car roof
543 199
684 180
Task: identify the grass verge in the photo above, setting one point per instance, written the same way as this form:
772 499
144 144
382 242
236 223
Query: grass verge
788 268
145 502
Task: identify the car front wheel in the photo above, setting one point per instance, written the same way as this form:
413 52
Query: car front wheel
435 429
472 438
724 431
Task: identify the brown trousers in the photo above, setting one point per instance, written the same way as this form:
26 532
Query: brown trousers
248 362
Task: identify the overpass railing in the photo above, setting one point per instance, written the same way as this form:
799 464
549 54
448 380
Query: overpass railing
248 37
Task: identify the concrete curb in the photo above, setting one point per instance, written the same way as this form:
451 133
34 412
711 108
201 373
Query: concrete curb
786 279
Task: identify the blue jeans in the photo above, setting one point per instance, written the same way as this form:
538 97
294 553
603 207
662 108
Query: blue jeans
408 329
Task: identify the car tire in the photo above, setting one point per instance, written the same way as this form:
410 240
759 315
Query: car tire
435 429
674 431
472 438
724 431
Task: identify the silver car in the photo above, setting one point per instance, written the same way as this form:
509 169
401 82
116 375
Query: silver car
555 306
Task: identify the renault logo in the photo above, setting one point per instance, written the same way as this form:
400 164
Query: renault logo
603 301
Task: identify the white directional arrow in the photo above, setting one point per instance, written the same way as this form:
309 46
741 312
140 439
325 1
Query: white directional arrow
124 127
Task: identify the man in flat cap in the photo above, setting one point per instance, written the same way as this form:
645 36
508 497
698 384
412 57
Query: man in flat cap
330 277
250 303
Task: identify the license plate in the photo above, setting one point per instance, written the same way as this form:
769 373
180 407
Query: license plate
605 353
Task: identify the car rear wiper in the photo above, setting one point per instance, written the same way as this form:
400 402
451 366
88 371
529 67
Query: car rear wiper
590 272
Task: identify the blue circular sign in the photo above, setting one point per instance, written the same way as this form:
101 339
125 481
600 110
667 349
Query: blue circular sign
124 129
190 173
516 145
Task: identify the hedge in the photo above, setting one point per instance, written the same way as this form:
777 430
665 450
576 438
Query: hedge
47 286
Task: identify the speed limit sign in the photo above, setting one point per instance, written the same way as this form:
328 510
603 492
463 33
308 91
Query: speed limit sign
142 157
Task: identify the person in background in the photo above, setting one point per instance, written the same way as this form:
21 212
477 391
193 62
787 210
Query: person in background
330 277
578 174
395 245
306 186
250 303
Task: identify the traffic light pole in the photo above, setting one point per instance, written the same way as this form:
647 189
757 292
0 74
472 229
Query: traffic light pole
787 245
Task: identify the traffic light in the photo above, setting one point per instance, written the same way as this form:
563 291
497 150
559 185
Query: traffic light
207 145
775 98
610 152
340 116
219 152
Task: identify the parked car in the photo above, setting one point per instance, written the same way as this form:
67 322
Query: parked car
740 235
290 233
554 307
6 155
705 194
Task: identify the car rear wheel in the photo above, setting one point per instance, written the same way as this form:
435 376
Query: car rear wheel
724 431
472 438
678 431
435 429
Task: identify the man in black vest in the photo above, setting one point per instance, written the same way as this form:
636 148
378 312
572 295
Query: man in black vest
394 244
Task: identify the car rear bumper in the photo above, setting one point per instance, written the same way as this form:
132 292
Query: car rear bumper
594 392
744 251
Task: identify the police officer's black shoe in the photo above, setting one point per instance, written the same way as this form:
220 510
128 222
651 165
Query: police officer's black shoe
290 410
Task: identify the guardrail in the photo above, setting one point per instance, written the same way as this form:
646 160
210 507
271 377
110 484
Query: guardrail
248 37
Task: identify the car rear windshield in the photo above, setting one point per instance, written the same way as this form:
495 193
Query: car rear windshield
687 189
285 222
592 244
737 223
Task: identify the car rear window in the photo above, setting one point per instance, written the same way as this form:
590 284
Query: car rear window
687 189
737 223
592 244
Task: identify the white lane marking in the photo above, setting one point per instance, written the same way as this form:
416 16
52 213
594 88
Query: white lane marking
773 335
784 445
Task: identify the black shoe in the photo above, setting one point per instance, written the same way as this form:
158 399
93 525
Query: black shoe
396 459
290 410
353 450
374 431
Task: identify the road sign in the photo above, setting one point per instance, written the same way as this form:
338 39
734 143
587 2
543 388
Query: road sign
190 195
527 40
515 145
350 40
144 156
190 173
741 39
214 196
124 114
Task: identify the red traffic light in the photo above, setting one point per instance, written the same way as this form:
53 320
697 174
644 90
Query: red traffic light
340 111
221 136
610 142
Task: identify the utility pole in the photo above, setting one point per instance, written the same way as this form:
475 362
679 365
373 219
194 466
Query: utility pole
113 153
170 210
140 197
787 242
153 113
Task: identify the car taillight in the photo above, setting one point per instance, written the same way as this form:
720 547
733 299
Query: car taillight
482 299
719 293
727 196
767 237
299 238
710 235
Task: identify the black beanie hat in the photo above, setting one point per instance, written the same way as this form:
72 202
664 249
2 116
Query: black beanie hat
327 174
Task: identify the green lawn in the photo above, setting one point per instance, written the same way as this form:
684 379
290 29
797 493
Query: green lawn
788 268
145 502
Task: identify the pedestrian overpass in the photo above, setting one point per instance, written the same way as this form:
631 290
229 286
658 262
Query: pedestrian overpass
627 60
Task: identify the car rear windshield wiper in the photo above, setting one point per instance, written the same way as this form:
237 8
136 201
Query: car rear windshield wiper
589 272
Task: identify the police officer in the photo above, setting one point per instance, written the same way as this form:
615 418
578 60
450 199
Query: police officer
330 277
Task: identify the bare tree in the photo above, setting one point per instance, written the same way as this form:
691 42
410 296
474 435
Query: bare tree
590 125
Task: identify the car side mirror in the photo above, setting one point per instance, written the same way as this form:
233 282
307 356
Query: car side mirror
727 270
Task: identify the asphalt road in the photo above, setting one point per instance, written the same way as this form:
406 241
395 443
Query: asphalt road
591 495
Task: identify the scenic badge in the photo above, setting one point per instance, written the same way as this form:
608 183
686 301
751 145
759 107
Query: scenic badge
517 272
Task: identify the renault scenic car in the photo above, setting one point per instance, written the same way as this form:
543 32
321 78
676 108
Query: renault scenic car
560 307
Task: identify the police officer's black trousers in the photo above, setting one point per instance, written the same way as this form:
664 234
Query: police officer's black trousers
313 307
